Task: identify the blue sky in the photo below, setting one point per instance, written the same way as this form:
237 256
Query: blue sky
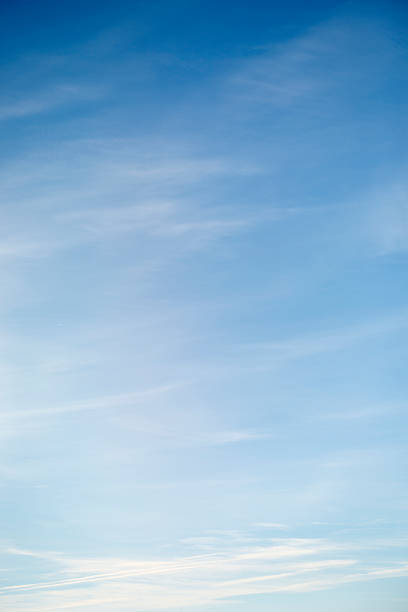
204 308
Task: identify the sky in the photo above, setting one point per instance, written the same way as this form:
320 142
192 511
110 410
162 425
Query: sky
203 306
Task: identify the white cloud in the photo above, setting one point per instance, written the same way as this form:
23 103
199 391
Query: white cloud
214 578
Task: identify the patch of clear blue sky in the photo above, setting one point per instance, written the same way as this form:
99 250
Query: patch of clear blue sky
203 306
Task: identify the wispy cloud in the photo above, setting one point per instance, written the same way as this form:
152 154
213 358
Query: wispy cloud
212 578
36 87
384 222
92 190
314 66
106 402
273 526
329 342
36 103
154 219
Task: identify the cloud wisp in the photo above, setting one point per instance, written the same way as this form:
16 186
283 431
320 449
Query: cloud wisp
213 578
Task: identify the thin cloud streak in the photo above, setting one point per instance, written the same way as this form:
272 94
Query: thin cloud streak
106 402
188 575
43 102
332 341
